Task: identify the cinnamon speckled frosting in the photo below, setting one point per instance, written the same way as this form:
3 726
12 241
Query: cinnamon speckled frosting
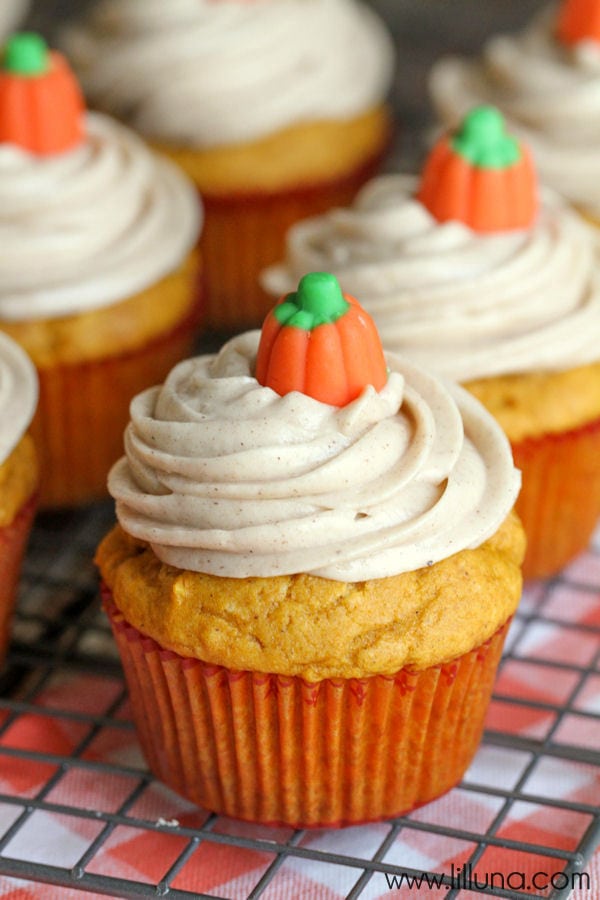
464 304
18 394
87 228
226 477
201 73
550 95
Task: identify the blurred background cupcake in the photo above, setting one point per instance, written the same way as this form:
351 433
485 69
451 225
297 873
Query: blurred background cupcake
463 273
12 14
274 108
98 272
546 79
321 538
18 472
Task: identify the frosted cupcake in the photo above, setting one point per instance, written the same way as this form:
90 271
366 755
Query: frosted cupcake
547 82
313 571
465 273
98 271
18 473
274 108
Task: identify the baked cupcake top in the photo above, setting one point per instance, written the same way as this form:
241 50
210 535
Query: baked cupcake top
454 289
88 215
18 395
233 469
548 84
200 73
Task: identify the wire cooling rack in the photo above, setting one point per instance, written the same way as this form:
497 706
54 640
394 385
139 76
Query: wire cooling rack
80 812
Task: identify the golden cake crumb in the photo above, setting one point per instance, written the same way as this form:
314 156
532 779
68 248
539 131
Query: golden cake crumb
537 403
18 479
296 156
315 627
110 330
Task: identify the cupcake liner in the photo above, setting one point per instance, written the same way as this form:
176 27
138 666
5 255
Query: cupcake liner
245 233
83 409
282 751
559 503
13 541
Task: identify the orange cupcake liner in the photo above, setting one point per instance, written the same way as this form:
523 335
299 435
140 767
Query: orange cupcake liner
283 751
559 503
244 233
13 541
83 409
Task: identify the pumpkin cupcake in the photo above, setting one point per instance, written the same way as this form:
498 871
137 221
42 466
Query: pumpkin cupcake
468 272
18 473
98 274
546 80
274 109
313 571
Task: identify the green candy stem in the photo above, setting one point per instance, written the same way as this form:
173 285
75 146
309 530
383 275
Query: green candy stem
483 141
318 301
26 54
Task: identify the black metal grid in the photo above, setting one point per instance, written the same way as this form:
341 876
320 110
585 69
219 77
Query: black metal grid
61 633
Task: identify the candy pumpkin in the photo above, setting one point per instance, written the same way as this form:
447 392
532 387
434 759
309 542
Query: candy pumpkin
578 20
481 176
41 105
320 342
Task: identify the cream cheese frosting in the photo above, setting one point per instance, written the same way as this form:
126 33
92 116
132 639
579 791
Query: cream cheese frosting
203 74
224 476
12 12
464 304
18 394
550 95
90 227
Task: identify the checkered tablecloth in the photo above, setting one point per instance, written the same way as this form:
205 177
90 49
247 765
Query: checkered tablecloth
78 807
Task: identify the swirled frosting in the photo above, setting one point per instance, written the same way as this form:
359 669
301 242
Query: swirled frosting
550 94
226 477
204 73
90 227
18 394
467 305
11 13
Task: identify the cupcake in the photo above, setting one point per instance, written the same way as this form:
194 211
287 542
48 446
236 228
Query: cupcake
18 473
546 80
468 272
98 272
313 571
275 109
12 13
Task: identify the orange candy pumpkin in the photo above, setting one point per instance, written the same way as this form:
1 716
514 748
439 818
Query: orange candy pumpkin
578 20
41 104
480 176
320 342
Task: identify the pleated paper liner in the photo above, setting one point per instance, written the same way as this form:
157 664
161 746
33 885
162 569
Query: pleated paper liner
84 407
559 503
243 234
279 750
13 541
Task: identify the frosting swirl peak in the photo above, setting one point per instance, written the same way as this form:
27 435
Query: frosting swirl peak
204 74
550 94
102 222
465 304
11 13
224 476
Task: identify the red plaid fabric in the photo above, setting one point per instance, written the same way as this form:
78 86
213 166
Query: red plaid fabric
524 808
